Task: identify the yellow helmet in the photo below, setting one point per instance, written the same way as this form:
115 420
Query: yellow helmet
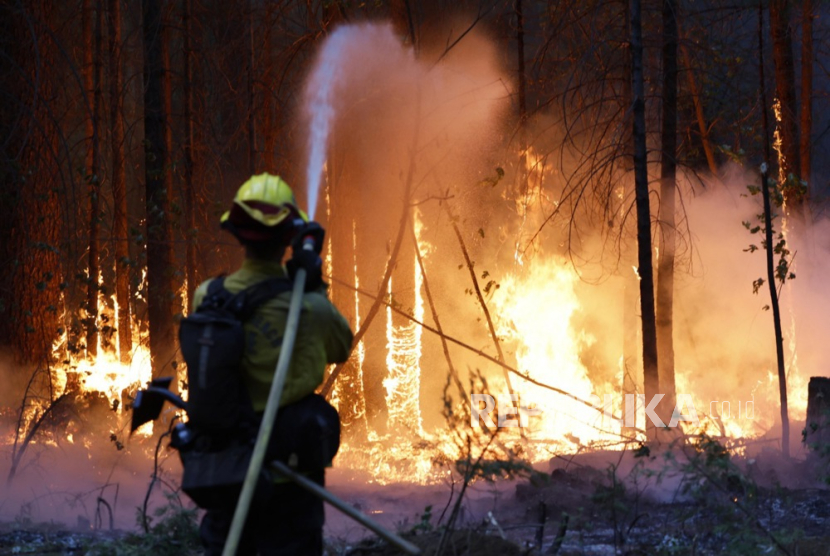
264 209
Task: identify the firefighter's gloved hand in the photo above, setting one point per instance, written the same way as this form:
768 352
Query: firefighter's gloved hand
309 260
310 232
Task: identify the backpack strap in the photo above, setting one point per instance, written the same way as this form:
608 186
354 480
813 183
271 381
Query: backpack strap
258 294
244 303
216 296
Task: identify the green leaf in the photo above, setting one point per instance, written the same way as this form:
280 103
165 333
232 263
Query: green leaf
756 285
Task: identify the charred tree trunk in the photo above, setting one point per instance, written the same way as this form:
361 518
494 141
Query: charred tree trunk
776 318
645 269
631 285
92 79
159 262
668 187
773 293
806 89
119 189
191 232
787 131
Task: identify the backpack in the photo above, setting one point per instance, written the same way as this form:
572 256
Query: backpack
212 341
216 444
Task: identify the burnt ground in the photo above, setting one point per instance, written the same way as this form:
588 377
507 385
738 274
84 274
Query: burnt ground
697 501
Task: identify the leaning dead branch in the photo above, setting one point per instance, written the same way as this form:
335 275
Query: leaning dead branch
19 447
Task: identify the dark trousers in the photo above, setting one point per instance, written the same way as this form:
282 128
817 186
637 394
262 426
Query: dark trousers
289 523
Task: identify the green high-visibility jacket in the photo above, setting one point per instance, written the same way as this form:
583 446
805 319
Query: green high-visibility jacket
323 336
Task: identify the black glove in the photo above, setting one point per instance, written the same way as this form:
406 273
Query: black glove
311 232
306 249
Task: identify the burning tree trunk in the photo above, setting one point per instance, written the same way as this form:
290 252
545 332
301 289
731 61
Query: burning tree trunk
668 186
645 270
341 233
159 261
92 81
787 131
119 190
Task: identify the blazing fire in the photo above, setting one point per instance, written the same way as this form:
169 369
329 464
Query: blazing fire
534 307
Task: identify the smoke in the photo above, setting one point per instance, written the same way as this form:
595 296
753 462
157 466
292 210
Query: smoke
80 469
409 134
433 132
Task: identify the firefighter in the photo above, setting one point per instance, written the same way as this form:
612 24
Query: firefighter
264 218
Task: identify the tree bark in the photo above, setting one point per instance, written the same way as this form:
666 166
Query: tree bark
632 352
92 80
787 132
776 319
522 173
645 269
668 187
773 293
32 178
119 190
251 109
270 104
191 232
159 263
702 126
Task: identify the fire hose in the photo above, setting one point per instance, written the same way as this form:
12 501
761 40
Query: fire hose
263 436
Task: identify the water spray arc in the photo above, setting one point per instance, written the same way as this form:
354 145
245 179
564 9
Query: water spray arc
320 106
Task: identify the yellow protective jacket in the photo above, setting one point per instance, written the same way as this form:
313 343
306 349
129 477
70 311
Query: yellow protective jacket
323 336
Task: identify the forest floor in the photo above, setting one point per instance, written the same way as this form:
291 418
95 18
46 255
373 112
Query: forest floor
596 503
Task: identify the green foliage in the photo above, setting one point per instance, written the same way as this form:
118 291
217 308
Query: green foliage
424 524
782 267
174 532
